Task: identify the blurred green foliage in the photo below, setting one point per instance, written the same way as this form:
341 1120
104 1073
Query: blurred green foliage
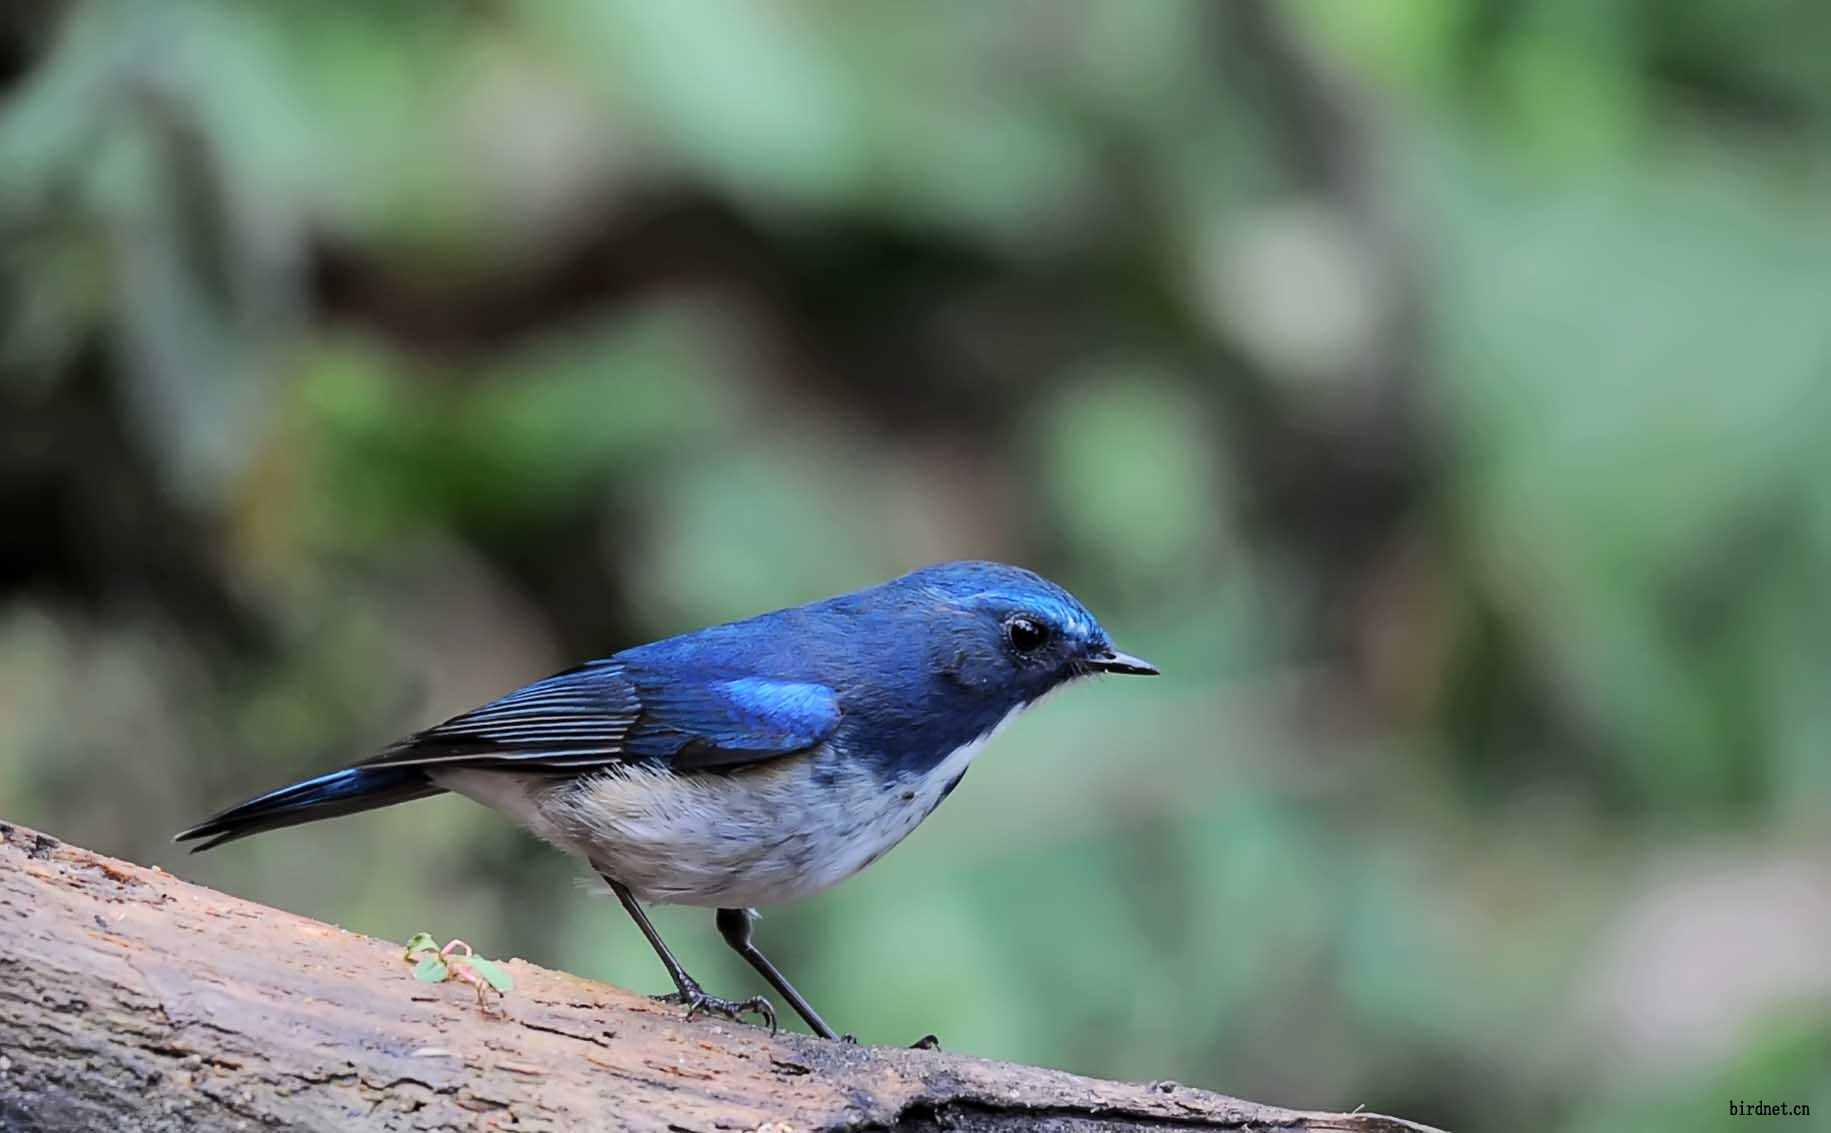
1439 391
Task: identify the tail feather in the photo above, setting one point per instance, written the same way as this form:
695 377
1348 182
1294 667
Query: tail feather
343 792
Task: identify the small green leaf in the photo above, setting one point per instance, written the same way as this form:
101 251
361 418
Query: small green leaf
421 942
431 970
492 972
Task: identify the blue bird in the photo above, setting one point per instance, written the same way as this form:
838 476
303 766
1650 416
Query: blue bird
748 763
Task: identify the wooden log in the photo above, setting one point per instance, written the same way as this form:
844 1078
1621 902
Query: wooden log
133 1001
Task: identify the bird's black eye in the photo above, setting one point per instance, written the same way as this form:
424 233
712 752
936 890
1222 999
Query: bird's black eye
1026 635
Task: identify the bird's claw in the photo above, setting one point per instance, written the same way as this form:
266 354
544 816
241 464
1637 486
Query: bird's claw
926 1042
696 1001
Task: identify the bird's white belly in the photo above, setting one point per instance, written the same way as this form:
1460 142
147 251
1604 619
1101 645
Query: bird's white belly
754 836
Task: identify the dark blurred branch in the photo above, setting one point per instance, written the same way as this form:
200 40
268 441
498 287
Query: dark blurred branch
1341 485
90 520
132 1000
26 27
1332 136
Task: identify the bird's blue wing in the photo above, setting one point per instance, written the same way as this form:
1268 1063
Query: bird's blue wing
698 725
604 713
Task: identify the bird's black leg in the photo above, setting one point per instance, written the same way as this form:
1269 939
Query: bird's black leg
734 926
688 992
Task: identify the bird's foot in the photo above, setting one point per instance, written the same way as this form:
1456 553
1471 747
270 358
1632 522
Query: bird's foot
695 1000
926 1042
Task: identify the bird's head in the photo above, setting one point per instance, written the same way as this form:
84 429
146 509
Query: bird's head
1010 634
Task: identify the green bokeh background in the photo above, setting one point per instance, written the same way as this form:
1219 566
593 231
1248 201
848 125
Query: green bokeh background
1439 392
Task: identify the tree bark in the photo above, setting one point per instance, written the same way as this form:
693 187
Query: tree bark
131 1000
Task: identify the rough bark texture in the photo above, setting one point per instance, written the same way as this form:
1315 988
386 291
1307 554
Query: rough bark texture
130 1000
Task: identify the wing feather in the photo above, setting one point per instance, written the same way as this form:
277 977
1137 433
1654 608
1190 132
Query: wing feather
605 713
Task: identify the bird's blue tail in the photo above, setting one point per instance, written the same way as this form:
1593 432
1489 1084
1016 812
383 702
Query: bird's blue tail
341 792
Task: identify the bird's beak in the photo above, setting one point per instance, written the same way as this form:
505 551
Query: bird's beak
1113 661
